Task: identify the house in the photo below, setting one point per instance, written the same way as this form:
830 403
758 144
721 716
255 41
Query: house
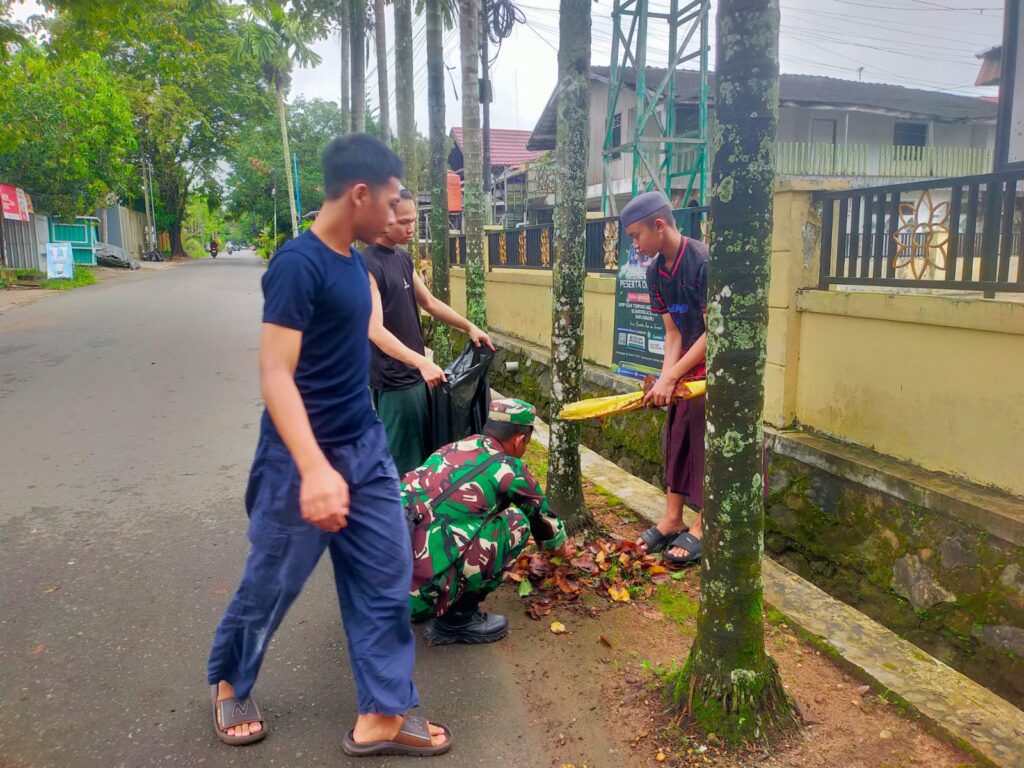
868 133
509 155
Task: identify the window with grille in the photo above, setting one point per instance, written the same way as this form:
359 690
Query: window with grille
910 135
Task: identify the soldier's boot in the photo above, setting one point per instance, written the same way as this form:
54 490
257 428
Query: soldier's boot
466 623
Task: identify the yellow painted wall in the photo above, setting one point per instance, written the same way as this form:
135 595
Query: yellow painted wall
932 380
929 379
519 304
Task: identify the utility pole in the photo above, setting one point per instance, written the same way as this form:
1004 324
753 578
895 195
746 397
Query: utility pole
152 207
273 192
298 198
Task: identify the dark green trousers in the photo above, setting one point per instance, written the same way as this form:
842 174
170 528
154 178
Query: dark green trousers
406 417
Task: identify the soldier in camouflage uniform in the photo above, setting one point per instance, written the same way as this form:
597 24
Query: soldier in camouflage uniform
462 545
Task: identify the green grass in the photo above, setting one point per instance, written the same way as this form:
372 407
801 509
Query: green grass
83 276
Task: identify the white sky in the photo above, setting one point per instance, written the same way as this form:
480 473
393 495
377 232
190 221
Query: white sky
918 43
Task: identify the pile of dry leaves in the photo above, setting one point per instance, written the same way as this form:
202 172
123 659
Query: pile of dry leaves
612 567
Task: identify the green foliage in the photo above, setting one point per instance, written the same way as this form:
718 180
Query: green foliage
265 243
257 165
83 276
176 63
65 131
203 221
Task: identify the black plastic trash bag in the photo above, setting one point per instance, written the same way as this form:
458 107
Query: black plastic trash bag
458 407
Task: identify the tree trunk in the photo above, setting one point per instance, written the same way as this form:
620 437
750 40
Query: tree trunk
729 684
565 489
344 23
473 168
381 36
405 94
405 106
440 339
287 156
174 234
357 51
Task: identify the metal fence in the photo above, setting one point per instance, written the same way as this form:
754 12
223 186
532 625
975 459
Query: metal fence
956 234
533 247
25 242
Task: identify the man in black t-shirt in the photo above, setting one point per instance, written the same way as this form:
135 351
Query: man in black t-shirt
399 390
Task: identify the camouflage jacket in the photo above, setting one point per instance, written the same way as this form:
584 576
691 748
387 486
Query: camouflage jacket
505 483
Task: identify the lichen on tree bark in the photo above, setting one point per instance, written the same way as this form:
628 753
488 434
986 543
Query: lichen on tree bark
729 683
473 169
565 492
440 341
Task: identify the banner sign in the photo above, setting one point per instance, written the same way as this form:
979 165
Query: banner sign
15 203
639 334
639 344
60 261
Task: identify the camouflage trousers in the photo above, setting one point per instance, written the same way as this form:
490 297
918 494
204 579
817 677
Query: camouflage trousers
450 560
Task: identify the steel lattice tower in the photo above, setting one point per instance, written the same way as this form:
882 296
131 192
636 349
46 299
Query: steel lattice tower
661 159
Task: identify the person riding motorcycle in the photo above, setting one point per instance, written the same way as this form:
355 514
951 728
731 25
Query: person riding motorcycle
214 247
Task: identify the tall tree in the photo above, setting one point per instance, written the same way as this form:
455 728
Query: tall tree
405 94
66 131
441 340
189 94
473 169
344 31
381 37
729 683
565 489
357 50
277 40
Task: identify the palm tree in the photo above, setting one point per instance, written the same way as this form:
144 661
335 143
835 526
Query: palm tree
276 40
405 94
729 684
473 169
565 489
357 51
440 341
381 46
344 22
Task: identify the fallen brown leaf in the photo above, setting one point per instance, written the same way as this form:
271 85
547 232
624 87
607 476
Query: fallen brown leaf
37 650
604 641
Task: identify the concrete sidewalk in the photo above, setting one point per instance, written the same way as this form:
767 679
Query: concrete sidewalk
956 705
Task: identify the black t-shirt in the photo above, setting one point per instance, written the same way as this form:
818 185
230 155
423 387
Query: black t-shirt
310 288
683 292
392 270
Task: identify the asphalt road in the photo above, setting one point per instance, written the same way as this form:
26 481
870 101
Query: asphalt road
128 418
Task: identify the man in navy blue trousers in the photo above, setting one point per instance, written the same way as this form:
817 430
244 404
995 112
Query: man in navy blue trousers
322 478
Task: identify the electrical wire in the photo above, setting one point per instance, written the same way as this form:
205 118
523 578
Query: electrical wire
502 16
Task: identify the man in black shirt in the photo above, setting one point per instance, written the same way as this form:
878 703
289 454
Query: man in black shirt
399 391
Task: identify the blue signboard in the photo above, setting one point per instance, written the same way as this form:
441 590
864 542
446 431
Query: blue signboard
60 261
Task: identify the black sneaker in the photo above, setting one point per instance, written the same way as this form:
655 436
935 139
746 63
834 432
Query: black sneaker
470 629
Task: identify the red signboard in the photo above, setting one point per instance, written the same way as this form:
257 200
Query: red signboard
15 202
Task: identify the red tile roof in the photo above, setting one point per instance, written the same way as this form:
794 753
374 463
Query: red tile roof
508 147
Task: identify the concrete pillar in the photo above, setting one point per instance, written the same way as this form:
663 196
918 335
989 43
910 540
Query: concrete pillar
796 247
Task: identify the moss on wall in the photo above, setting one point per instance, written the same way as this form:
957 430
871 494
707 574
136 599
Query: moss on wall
952 590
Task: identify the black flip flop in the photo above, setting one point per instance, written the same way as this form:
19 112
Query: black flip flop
235 712
412 740
656 541
690 543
